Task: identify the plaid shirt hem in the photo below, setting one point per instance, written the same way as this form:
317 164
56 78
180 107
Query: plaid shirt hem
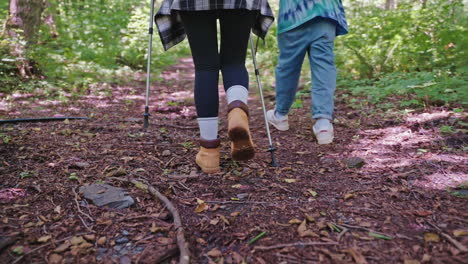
170 28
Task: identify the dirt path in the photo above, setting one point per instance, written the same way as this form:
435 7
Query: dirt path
397 208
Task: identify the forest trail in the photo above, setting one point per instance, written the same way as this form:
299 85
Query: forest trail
399 207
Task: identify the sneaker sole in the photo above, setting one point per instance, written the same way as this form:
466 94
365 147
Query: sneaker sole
242 148
322 138
279 127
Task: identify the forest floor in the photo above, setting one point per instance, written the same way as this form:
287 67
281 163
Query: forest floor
406 204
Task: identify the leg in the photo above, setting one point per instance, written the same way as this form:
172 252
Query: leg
202 35
235 32
292 49
201 32
323 70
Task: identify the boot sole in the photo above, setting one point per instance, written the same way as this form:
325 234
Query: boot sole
242 148
208 170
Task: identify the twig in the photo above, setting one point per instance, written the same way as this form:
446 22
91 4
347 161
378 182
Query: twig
167 163
81 212
344 230
297 244
237 202
183 177
361 228
45 245
184 257
175 126
454 242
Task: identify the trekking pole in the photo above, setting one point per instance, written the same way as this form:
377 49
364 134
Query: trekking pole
271 149
148 68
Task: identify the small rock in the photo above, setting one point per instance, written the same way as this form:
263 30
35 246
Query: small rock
55 258
106 195
79 165
101 241
166 153
125 260
355 162
121 240
125 233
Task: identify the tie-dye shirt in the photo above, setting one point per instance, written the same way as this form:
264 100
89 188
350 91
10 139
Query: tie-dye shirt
293 13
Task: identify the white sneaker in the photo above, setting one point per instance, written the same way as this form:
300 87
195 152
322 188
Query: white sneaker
323 131
280 124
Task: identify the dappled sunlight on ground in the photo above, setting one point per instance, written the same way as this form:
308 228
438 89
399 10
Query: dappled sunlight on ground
382 148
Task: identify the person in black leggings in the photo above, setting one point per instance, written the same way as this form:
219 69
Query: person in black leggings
198 21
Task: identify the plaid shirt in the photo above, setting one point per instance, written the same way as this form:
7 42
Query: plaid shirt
172 32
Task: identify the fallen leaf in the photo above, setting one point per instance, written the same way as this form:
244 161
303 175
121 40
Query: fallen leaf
349 196
426 258
236 186
214 221
295 221
202 206
304 232
90 237
312 192
357 256
85 245
44 239
380 236
165 240
63 247
310 218
423 213
411 261
101 241
431 237
237 258
224 219
460 232
215 253
290 180
154 228
76 240
141 186
55 258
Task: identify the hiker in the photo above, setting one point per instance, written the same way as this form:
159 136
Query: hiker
308 26
197 20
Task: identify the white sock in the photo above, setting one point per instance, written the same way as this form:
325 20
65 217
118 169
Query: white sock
208 127
322 123
237 92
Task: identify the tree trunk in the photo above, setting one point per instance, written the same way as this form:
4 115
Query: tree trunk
21 27
391 4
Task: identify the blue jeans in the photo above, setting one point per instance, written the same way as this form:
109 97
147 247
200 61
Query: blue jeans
315 37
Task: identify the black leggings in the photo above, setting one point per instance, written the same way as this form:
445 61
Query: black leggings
200 27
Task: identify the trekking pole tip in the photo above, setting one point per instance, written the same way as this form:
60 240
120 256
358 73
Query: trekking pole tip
146 118
273 160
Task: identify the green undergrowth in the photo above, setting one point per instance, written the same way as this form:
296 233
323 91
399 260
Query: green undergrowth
413 89
89 43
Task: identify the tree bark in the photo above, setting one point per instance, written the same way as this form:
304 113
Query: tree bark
391 4
21 27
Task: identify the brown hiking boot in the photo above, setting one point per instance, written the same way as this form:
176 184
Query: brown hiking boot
208 156
242 147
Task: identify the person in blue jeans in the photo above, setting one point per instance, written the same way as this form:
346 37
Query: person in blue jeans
308 27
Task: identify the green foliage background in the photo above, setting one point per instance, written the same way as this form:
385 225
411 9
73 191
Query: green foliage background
416 53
